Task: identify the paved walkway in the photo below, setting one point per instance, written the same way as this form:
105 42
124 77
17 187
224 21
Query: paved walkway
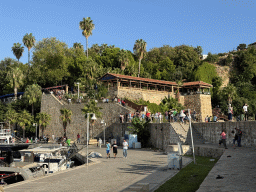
142 165
238 169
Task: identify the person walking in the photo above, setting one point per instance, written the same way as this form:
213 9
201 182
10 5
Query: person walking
114 147
245 108
125 147
100 142
230 112
223 139
234 134
108 149
239 137
78 138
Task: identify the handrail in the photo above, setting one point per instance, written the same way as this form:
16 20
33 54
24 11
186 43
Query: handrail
134 105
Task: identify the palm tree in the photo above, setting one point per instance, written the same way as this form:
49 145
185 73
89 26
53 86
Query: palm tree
66 118
17 50
11 116
33 94
29 41
91 107
231 92
140 50
24 118
87 26
123 58
78 46
16 78
179 83
44 120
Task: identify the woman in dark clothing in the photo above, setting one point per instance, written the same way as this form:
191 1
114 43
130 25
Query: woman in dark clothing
114 146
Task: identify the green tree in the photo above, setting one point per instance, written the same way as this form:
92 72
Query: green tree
78 46
10 116
66 115
51 59
212 58
170 103
205 72
24 119
229 60
199 51
17 50
91 107
140 50
44 120
123 59
87 26
29 41
229 93
33 95
16 78
140 127
241 46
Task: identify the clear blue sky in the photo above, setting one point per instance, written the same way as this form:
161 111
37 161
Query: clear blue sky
216 25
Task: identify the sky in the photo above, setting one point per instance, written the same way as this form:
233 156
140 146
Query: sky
217 25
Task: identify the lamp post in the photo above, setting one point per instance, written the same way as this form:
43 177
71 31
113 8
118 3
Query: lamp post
35 125
104 124
93 118
78 91
189 117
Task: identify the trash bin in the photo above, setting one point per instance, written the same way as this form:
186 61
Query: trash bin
174 161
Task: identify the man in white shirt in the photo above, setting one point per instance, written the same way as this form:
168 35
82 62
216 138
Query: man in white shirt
125 147
245 108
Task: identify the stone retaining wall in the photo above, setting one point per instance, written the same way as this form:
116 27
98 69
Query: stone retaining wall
211 131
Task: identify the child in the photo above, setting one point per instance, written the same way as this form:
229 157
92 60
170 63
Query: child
108 149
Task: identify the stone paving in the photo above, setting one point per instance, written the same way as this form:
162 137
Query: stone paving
103 175
237 168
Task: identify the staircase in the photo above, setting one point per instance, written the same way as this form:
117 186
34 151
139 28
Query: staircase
197 137
181 130
183 134
217 112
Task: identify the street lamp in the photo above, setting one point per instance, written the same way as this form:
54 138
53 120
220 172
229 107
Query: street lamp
35 125
189 117
104 124
93 118
78 90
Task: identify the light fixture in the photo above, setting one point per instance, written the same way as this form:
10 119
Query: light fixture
93 117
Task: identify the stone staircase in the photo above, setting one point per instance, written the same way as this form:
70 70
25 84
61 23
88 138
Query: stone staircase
183 134
197 137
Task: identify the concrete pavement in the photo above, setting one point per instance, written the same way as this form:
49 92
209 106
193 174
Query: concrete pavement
141 166
237 171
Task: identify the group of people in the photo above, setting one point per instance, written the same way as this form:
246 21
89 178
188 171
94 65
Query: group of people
231 112
114 148
237 137
170 116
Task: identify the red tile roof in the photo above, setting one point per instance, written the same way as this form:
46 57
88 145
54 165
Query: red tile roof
142 79
195 83
201 83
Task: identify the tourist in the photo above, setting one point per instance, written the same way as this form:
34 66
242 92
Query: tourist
230 112
121 118
182 115
206 118
157 117
235 135
125 147
160 117
78 138
114 147
100 142
166 115
169 115
130 117
214 118
245 108
194 115
239 138
223 139
108 149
